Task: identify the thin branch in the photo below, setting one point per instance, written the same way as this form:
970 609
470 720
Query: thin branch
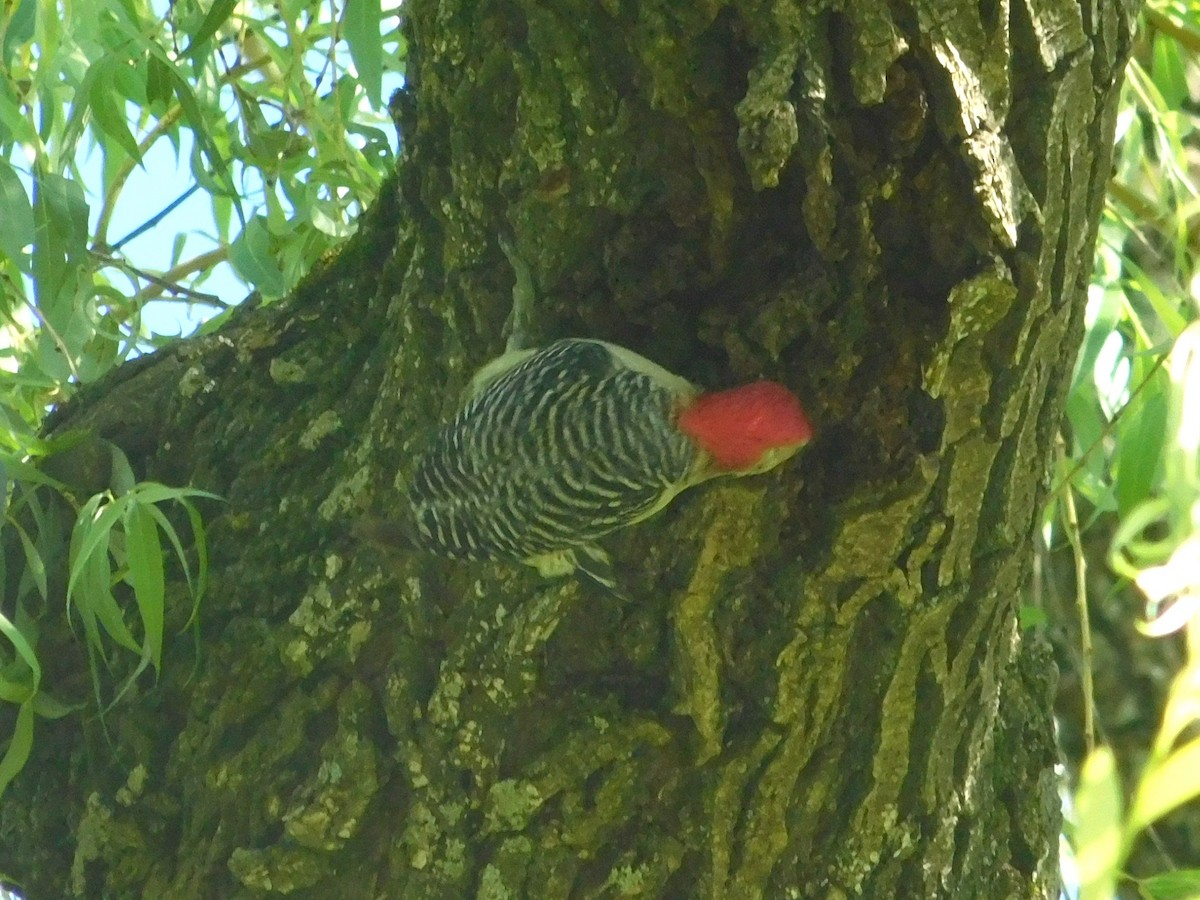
1183 35
1071 529
168 282
157 217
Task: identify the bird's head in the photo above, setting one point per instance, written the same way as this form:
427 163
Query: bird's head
747 429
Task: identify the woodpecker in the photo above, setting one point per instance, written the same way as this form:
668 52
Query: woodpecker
558 446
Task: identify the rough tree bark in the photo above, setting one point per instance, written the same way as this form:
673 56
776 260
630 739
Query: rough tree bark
821 690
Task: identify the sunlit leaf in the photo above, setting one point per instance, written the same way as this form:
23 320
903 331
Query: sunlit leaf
61 216
1167 785
1140 443
218 12
1098 835
1168 70
108 106
1182 709
1132 546
360 24
16 225
21 19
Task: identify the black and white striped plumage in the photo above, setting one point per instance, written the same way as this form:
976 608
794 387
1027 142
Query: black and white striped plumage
554 448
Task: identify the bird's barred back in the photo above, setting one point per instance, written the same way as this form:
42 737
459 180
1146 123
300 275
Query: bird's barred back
568 445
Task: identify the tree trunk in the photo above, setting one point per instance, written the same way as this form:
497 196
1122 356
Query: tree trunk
820 689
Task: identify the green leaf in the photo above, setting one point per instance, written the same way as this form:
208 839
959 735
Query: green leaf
91 597
108 106
1029 617
153 492
251 256
1181 711
98 597
15 690
201 543
177 246
1166 306
49 707
14 126
76 122
1131 549
18 747
23 648
159 81
1167 785
1182 884
145 557
92 526
19 25
1168 71
122 480
168 529
360 27
91 632
200 131
59 205
33 561
1139 443
16 225
18 469
214 19
1098 836
1107 316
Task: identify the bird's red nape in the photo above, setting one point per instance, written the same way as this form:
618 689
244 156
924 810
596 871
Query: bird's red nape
738 426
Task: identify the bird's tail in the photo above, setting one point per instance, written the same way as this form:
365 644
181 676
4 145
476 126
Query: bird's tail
595 565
